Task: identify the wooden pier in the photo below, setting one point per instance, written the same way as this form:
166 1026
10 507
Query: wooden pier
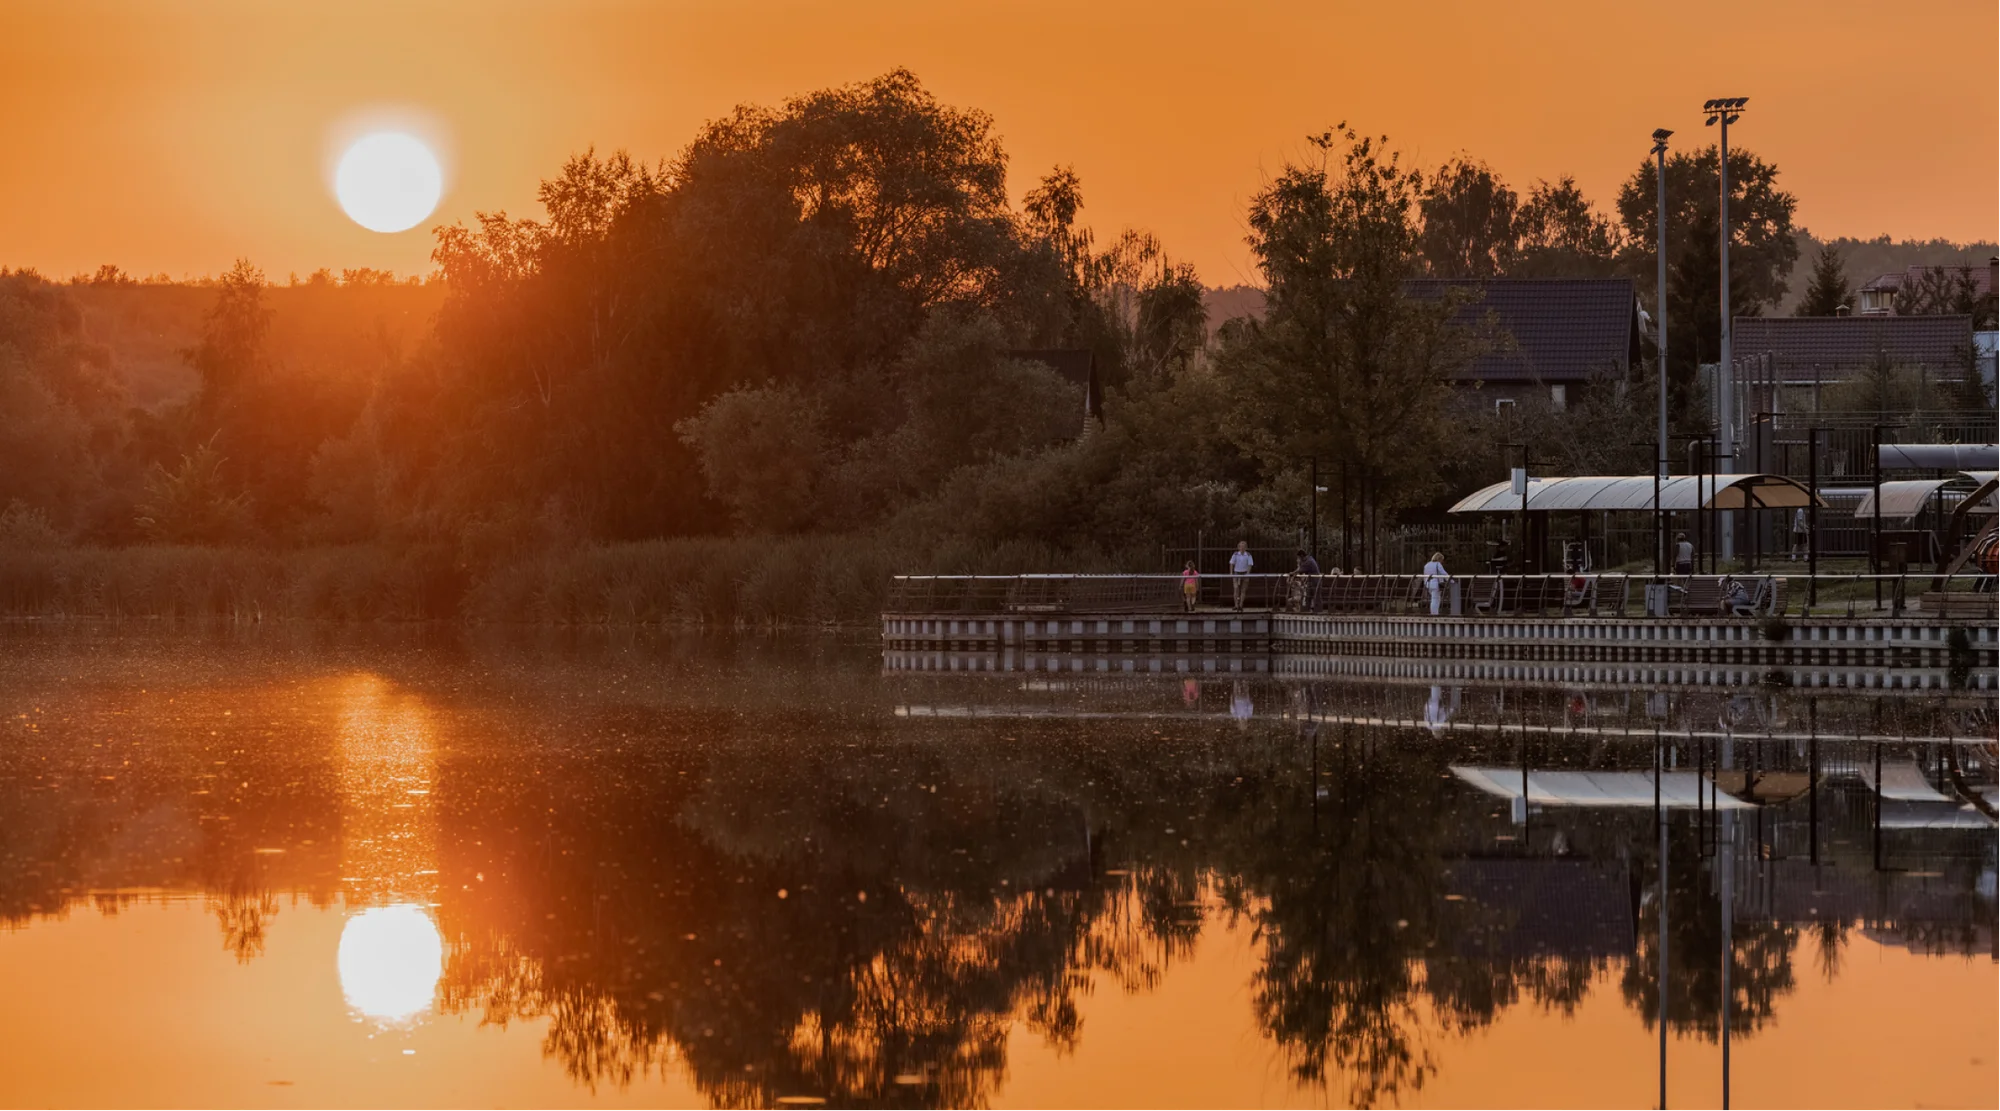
1911 641
1385 618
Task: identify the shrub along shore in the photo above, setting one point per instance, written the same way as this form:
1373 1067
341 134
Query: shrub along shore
714 582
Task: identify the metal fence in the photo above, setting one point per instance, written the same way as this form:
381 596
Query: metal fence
1965 596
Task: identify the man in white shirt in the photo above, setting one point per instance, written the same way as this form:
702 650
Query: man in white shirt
1240 563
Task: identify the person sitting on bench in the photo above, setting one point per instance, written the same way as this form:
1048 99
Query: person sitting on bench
1735 598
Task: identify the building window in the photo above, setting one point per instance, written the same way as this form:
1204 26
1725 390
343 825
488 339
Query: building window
1559 398
1503 406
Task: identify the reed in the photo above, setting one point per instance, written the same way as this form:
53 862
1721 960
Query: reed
717 582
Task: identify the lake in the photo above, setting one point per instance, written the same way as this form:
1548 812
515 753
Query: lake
323 866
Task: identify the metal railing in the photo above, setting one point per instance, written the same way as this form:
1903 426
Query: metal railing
1968 596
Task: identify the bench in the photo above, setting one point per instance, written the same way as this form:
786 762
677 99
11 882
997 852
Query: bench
1957 603
1698 596
1485 595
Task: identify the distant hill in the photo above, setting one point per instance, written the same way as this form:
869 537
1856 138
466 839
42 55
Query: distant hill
317 327
1864 260
1229 302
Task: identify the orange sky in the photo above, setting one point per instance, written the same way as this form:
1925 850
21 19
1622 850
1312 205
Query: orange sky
175 137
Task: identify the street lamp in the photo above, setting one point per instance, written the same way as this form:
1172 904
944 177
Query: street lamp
1660 137
1725 111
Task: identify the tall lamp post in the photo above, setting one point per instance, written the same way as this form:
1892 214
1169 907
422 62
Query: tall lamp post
1660 137
1725 111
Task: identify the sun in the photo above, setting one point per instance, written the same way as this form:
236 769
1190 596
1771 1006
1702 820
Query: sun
388 181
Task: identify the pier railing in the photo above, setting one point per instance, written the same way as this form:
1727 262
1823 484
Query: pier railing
1764 594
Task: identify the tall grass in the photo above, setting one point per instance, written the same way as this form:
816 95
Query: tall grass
838 580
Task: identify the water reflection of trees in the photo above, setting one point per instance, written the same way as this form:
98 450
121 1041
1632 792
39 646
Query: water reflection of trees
865 928
786 901
1761 971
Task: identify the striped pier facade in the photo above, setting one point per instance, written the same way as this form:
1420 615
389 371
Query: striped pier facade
1912 641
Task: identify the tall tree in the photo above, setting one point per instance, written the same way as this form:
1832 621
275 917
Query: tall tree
1762 251
1561 236
1346 365
231 350
804 244
1828 291
1763 248
1468 221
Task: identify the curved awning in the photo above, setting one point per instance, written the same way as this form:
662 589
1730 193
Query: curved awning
1901 499
1634 493
1679 790
1906 497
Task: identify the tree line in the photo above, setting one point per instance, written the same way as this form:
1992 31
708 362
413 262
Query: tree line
812 320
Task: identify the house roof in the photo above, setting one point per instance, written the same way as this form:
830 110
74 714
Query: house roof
1541 907
1563 329
1678 790
1633 493
1982 277
1077 365
1799 344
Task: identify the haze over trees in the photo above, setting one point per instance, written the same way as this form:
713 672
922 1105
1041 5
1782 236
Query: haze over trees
817 319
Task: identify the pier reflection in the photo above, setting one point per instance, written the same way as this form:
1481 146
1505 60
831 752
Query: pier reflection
801 878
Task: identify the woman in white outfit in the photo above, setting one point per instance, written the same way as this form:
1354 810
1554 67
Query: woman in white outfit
1435 576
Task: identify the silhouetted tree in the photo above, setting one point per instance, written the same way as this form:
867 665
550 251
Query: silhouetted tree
1468 222
1345 365
1828 291
1562 236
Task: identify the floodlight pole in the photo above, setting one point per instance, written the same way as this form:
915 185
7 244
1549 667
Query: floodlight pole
1725 111
1660 136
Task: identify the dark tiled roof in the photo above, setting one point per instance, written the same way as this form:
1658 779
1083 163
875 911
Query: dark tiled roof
1842 343
1563 329
1078 365
1982 277
1544 907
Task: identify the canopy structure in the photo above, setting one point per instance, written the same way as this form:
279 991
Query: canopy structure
1942 457
1634 493
1904 498
1901 499
1917 815
1678 790
1903 781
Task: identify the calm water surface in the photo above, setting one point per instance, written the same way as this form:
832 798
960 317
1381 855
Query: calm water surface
328 867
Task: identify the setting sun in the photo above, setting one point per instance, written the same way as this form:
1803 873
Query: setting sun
388 182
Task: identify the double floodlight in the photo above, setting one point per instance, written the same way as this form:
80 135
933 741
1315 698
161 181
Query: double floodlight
1660 137
1726 108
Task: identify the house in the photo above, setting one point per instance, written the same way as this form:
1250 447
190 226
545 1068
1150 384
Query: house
1878 297
1560 334
1079 367
1814 350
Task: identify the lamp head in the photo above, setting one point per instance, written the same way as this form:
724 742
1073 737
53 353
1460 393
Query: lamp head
1727 109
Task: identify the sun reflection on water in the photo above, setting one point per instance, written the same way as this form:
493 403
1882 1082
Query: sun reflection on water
390 961
392 953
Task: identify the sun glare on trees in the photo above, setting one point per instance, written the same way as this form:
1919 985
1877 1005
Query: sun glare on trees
388 181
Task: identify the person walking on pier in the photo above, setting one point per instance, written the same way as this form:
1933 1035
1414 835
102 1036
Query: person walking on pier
1240 563
1190 585
1683 554
1305 582
1435 576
